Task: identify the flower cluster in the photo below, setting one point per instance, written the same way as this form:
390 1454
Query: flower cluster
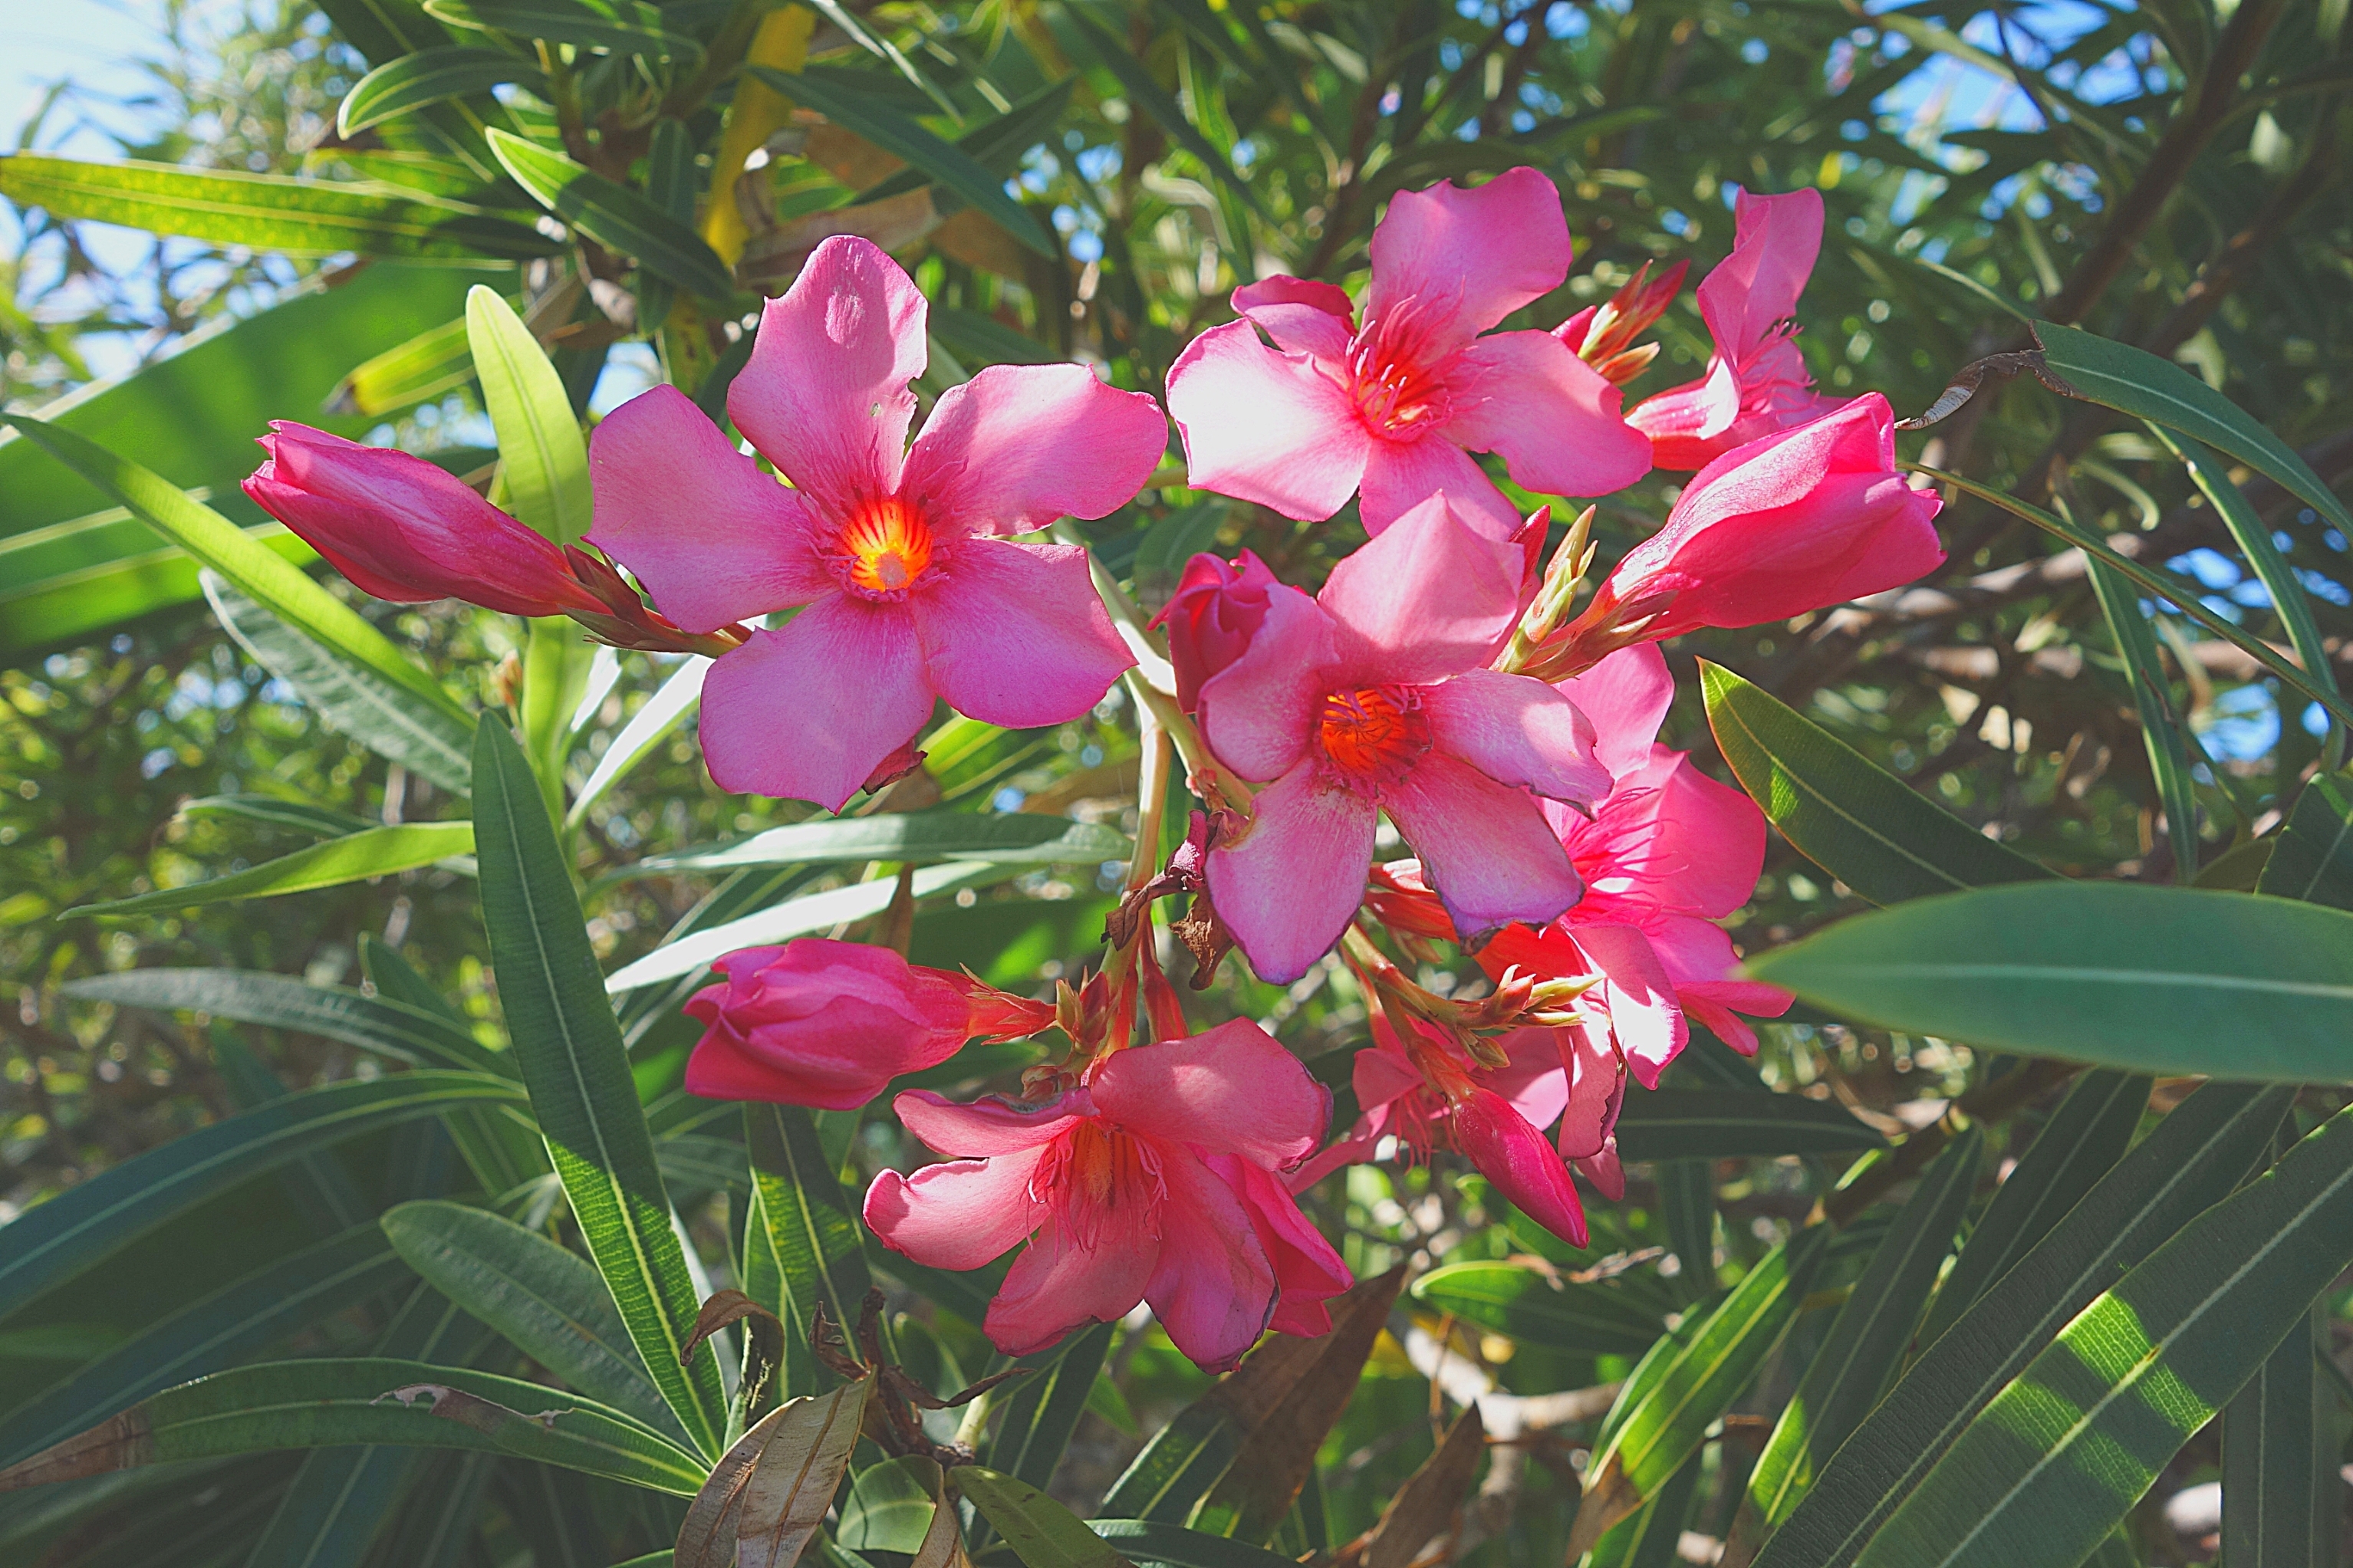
1443 676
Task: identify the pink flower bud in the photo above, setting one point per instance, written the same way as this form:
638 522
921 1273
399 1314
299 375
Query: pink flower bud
406 530
823 1024
1211 618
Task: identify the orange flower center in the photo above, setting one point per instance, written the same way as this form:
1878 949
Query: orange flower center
885 546
1093 1172
1374 734
1397 395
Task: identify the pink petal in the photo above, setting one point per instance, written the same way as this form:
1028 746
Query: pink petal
824 393
1303 316
1307 1272
1355 1149
1383 1073
1014 634
1401 475
960 1215
1705 839
1775 243
1626 696
1596 1090
1484 848
1691 426
1523 1167
1058 1282
1645 1018
1422 600
1260 711
1227 1090
1290 888
1553 417
1604 1170
1265 426
1516 730
1536 1082
1461 260
805 711
1020 445
713 537
1213 1287
988 1126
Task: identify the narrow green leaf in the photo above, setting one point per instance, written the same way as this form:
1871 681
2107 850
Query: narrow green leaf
541 450
2080 1142
921 837
2136 382
547 1302
2149 979
813 1240
299 815
568 1045
890 1505
133 576
1041 1532
2193 1159
1148 95
433 361
2280 1485
268 212
2314 860
614 215
1043 1408
677 696
1536 1308
2061 1454
434 738
1652 1535
1736 1124
1687 1204
381 1023
1145 1540
255 568
323 1403
996 145
2161 720
1863 826
374 852
623 26
428 77
837 95
1866 1342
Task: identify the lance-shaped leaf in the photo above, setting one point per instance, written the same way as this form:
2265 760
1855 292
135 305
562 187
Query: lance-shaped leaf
1043 1408
809 1236
626 27
1737 1125
1425 1507
356 858
380 1024
268 212
433 361
1866 1342
996 145
2161 719
614 215
2281 1490
428 77
1041 1532
770 1491
2194 1158
920 836
1686 1383
1149 1541
2059 1455
1650 1536
540 446
546 1302
2314 859
1862 825
677 696
100 1216
294 815
1539 1309
569 1046
2086 1136
2124 974
323 1403
1148 95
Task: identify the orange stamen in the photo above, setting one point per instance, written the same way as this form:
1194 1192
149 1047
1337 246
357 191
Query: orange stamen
1374 734
886 546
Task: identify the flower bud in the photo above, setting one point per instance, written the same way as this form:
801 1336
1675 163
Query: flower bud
1211 618
822 1024
406 530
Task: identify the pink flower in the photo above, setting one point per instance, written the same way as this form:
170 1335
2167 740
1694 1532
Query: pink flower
1756 382
1429 1094
907 592
1211 618
1158 1181
829 1024
406 530
1372 696
1397 405
1790 522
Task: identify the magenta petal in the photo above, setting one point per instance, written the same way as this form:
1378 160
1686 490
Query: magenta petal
1604 1170
1020 445
1383 1073
1307 1272
960 1215
1485 849
1060 1282
1213 1287
1626 696
1553 417
713 537
1227 1090
1303 316
1523 1166
1401 475
1461 260
1265 426
1423 600
1707 839
1644 1017
1776 240
988 1126
1596 1090
1261 710
1289 889
1535 1080
1516 730
1014 634
824 393
1691 426
805 711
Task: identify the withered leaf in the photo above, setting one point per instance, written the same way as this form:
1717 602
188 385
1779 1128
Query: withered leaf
1425 1508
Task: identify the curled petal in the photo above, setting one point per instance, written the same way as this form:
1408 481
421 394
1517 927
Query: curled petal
1303 316
1460 260
1645 1018
1289 889
1213 1286
1260 711
1227 1090
1776 240
1062 1281
1597 1088
1307 1272
1516 1158
1626 696
807 711
1517 730
1485 847
990 1126
1691 426
1020 445
1014 634
1265 426
960 1215
1553 417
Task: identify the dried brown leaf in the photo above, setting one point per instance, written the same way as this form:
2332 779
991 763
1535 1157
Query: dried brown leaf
799 1470
1425 1506
119 1443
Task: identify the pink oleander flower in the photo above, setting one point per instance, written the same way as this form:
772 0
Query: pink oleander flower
1395 406
1427 1093
1793 522
1756 382
1159 1180
906 592
1372 697
1211 617
829 1024
403 529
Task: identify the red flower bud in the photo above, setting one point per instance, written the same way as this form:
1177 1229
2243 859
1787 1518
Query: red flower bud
406 530
1211 618
825 1023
